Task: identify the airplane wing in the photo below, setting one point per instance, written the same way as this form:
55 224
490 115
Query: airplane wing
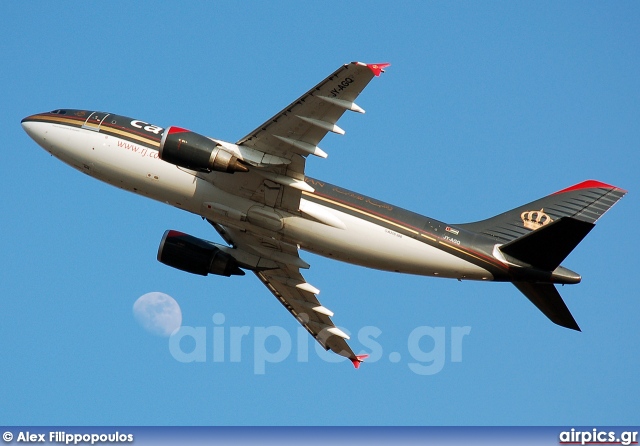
289 137
288 285
277 182
302 124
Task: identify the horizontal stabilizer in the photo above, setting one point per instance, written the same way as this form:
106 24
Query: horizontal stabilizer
545 296
547 247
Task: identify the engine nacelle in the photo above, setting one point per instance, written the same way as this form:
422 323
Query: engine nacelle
196 256
188 149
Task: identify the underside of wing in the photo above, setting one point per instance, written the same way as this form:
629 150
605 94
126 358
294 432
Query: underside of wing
286 283
280 146
299 298
302 124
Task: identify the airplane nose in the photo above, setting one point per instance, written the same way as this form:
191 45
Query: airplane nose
29 127
37 130
28 119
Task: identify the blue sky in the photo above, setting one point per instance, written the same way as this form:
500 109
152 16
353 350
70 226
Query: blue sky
486 106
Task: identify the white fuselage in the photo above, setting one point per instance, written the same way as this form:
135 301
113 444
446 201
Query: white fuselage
137 168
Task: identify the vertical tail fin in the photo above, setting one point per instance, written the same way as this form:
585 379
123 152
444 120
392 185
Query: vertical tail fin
541 234
586 201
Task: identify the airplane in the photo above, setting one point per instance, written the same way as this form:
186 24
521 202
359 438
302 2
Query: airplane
256 195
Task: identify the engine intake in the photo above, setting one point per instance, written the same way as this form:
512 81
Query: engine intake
196 256
188 149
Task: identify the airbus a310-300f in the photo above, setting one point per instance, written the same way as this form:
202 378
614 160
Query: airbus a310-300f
256 195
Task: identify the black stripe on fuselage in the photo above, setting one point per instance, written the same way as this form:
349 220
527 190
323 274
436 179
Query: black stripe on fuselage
407 223
114 125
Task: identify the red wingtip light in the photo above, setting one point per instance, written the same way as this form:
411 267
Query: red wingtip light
377 68
358 360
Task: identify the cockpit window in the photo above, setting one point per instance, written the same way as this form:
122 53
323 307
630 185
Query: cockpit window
58 112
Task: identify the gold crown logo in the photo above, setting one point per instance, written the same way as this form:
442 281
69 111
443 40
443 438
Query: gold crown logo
535 219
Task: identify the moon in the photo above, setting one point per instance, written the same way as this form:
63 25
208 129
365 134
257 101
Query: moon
158 313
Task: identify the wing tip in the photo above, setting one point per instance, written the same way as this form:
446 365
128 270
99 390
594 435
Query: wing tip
358 359
376 68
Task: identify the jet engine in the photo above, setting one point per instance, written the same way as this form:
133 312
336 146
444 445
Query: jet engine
190 150
196 256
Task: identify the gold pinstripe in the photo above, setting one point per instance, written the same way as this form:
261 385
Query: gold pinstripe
360 211
413 231
133 136
76 123
59 120
465 252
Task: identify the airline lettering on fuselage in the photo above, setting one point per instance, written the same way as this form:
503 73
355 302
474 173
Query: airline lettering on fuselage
146 126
